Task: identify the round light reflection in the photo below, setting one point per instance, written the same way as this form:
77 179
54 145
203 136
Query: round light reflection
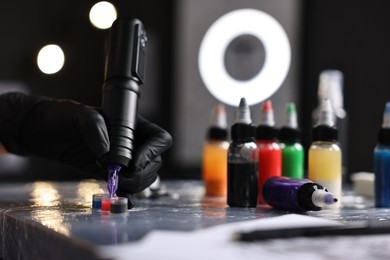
102 15
50 59
215 42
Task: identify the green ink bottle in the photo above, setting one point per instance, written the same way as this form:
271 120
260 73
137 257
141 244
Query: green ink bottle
292 150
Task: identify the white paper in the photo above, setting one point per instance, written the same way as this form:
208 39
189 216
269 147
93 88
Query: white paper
217 242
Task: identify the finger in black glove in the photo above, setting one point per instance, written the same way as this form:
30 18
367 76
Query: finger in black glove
150 142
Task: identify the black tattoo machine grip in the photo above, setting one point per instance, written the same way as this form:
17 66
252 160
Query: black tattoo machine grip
124 73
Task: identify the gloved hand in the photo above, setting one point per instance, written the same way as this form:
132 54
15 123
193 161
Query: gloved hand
74 134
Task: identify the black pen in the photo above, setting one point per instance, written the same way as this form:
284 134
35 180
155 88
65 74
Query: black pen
339 230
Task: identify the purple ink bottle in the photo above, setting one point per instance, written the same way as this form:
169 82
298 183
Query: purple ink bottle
295 194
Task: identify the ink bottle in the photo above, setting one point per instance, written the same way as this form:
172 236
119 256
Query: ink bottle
214 162
270 153
325 156
292 150
242 161
296 194
382 163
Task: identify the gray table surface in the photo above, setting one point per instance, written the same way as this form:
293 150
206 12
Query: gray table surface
54 220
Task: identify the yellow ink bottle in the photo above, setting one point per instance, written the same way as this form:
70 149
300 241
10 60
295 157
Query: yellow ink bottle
325 157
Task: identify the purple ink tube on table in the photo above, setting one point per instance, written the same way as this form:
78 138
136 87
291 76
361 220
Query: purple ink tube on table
295 194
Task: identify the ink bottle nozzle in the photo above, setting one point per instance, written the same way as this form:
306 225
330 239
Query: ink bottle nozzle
322 198
243 129
266 129
326 113
218 117
291 120
267 114
325 129
289 132
243 114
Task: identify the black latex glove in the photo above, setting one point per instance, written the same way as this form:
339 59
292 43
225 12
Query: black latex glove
74 134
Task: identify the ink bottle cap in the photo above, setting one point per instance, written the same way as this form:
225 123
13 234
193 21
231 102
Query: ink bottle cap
289 132
325 129
266 129
267 114
291 116
326 113
289 135
217 134
265 132
243 114
384 132
384 136
305 196
218 124
243 132
322 198
243 129
324 133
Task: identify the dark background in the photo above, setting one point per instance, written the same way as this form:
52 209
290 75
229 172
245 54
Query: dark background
352 36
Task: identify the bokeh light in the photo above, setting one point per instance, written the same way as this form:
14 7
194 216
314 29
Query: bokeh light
50 59
102 15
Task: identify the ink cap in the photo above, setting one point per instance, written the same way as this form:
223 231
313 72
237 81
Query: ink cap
105 204
118 205
243 129
325 129
97 201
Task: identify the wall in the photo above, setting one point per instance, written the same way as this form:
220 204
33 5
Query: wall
352 36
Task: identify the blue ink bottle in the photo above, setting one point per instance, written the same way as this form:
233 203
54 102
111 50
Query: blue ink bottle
382 162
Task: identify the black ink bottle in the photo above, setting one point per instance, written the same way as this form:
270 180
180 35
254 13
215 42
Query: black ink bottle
242 161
